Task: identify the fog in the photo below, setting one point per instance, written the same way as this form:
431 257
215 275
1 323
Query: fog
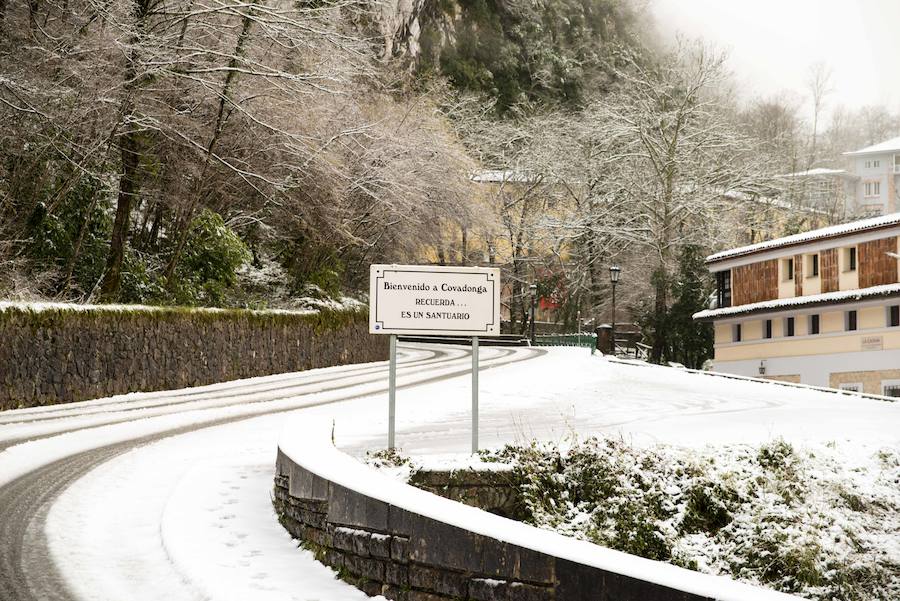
773 43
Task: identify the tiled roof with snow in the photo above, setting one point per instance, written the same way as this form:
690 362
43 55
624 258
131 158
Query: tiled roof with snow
816 171
892 145
802 301
826 232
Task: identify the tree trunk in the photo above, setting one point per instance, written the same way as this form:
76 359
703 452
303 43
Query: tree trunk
130 152
153 236
516 301
32 14
76 250
224 101
128 190
141 238
660 337
464 247
593 277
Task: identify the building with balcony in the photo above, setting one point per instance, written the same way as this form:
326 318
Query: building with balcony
820 307
868 186
829 191
878 170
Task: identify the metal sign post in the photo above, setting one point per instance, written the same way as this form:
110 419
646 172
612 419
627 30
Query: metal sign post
392 393
426 300
474 394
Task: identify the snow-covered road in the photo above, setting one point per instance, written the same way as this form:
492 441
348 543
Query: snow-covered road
52 456
167 495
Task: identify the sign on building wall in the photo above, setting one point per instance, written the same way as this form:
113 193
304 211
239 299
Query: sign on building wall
872 343
426 300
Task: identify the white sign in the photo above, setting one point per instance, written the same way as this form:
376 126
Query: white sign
425 300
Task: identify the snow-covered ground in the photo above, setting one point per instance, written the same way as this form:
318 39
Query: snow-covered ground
193 517
199 521
568 392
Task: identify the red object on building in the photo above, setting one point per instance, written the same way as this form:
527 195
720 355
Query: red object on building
548 303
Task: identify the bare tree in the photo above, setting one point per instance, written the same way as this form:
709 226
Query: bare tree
820 86
678 155
775 122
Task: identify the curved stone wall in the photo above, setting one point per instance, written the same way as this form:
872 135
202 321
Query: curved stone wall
391 539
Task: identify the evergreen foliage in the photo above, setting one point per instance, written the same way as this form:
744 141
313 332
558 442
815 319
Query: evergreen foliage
687 341
521 53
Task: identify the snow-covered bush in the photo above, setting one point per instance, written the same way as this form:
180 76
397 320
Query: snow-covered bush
799 521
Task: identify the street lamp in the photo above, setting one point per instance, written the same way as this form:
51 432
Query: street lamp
533 289
614 271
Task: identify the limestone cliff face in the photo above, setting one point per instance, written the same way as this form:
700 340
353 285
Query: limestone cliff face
400 27
512 50
401 24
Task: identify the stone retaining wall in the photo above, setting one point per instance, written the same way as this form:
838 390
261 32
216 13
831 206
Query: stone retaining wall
60 353
495 491
387 550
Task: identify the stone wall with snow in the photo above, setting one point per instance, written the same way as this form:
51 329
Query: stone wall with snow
64 353
403 555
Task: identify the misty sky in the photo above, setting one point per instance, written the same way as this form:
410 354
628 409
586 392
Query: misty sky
772 43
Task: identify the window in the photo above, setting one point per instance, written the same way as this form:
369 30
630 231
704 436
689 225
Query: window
873 188
723 282
876 164
768 328
894 316
789 326
890 388
850 321
736 332
788 270
868 164
813 324
812 267
851 386
851 258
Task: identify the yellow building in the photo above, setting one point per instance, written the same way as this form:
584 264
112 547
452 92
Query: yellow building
820 308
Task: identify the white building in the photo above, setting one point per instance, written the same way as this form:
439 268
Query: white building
867 188
877 167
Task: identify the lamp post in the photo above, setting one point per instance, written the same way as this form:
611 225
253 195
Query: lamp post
578 325
533 289
614 271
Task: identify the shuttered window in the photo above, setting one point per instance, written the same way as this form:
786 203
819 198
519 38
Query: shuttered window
789 326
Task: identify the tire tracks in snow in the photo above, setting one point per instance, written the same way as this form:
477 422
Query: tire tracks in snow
259 393
27 572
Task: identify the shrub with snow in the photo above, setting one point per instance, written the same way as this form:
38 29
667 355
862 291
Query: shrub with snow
797 520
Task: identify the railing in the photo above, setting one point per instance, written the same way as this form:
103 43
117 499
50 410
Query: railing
625 348
586 339
632 350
